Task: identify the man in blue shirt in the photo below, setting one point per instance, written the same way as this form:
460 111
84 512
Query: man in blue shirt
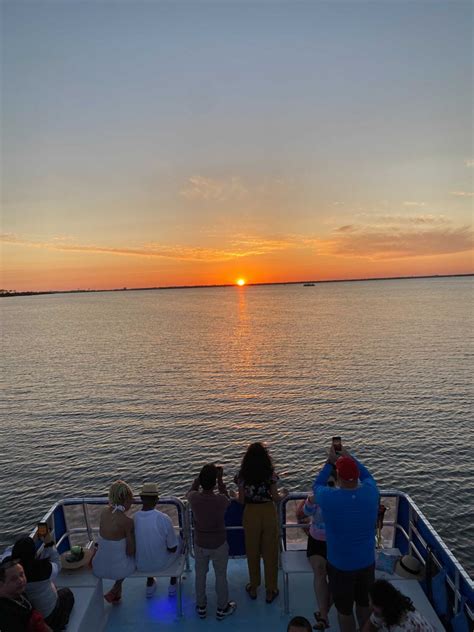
350 515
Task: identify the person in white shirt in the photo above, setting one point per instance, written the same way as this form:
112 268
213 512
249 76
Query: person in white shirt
157 545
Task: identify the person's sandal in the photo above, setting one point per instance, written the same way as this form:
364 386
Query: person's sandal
321 622
252 593
114 596
272 595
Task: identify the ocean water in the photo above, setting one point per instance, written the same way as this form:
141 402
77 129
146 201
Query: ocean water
148 386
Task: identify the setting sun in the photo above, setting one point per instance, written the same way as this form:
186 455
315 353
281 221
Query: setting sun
240 282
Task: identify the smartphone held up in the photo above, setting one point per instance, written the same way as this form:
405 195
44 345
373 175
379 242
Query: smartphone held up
42 529
337 445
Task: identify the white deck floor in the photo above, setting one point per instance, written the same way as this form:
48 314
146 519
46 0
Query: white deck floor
138 614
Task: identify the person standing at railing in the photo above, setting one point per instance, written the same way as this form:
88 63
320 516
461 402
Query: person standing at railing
316 551
350 514
257 481
115 554
210 542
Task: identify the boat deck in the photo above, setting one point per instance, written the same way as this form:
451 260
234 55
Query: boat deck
136 613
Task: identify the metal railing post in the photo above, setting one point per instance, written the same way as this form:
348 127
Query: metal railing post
410 529
86 519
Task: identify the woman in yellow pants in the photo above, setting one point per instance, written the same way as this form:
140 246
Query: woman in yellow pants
257 482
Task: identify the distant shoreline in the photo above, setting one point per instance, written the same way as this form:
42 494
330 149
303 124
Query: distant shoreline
7 293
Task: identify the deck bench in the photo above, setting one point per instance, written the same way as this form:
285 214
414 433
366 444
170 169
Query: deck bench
292 561
174 570
89 606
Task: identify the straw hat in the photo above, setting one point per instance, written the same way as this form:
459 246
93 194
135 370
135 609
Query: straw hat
76 558
410 567
149 489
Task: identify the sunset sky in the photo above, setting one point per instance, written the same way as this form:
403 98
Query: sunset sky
174 143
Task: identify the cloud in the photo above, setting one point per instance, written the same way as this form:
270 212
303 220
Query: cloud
417 204
427 219
240 246
413 237
383 221
398 244
462 193
213 189
469 162
254 245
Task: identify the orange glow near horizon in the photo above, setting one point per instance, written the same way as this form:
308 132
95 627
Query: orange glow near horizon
165 193
40 268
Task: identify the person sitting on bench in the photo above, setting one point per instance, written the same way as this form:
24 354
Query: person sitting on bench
155 539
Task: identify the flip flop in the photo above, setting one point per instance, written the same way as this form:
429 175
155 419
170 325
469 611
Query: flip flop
272 595
252 593
321 622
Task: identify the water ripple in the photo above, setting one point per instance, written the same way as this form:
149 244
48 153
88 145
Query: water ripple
149 385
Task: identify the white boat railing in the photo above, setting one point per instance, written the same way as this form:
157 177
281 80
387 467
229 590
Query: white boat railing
406 529
410 536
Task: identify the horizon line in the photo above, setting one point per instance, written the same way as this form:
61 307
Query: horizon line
6 293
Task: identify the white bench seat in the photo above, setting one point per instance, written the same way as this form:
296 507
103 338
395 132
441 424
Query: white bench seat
89 612
292 561
174 570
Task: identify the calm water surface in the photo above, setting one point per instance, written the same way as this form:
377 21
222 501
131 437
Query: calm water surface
149 385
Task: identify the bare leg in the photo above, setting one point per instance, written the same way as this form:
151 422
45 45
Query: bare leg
346 622
320 583
115 593
117 587
363 613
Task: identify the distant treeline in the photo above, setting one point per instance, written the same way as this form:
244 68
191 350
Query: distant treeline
4 293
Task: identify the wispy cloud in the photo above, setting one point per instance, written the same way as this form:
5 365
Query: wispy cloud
462 193
415 204
213 189
254 245
239 246
233 188
419 236
423 220
397 244
469 162
376 220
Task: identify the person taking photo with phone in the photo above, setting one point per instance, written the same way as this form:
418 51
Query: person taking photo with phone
40 572
350 516
210 542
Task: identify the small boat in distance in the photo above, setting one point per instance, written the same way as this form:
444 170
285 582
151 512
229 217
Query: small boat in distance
308 284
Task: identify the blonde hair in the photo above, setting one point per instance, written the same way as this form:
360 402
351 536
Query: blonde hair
120 492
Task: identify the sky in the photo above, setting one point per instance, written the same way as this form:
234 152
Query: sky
195 143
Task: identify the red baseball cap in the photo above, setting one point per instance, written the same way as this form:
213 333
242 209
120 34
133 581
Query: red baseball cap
347 468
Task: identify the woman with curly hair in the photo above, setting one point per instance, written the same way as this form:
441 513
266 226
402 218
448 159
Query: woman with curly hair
392 611
115 554
257 483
